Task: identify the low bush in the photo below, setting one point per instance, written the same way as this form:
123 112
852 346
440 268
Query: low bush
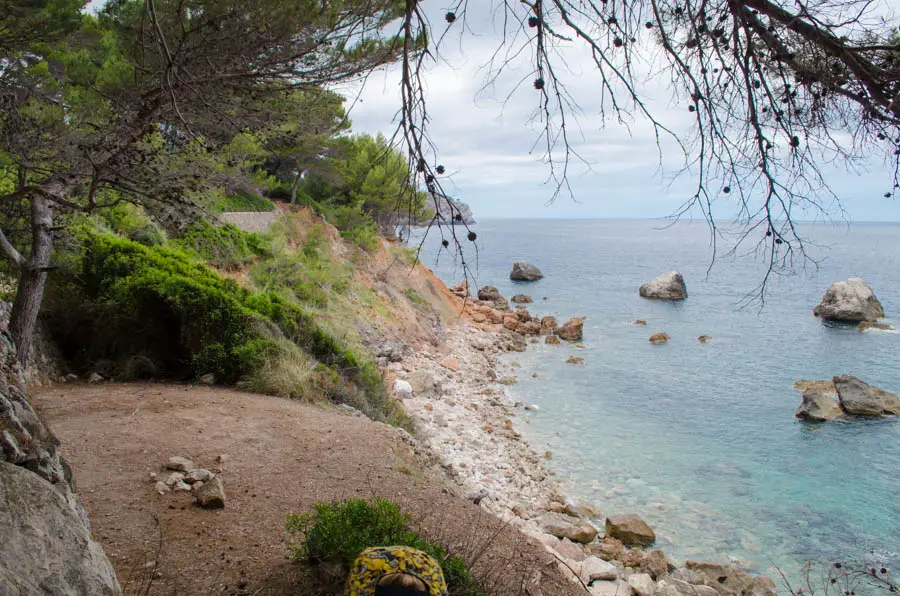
119 299
224 246
338 532
241 202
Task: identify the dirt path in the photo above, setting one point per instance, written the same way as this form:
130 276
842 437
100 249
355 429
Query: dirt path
282 456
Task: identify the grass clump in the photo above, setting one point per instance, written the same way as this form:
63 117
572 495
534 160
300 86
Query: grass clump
336 533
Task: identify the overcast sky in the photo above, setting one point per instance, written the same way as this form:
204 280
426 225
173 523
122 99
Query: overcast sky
485 143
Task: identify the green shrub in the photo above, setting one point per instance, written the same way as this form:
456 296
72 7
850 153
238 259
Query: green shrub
242 202
131 222
339 532
224 246
119 299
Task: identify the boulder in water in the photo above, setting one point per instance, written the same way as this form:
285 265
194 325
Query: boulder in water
521 299
552 340
818 407
522 271
861 399
572 330
851 300
659 338
549 325
668 286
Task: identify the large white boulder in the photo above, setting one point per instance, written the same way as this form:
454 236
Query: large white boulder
668 286
851 300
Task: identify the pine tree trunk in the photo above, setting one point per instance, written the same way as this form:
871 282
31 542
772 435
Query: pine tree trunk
32 278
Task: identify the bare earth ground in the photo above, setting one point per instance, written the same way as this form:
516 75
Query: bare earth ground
282 456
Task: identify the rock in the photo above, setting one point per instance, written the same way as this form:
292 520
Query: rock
861 399
512 342
501 304
548 325
71 378
174 478
657 564
574 360
196 486
522 314
95 378
221 459
586 510
568 549
704 339
450 363
161 487
479 318
460 290
864 325
510 322
522 271
564 526
530 328
659 338
608 549
521 299
571 330
211 495
642 584
495 317
425 385
552 340
453 212
851 300
630 529
668 286
532 408
614 588
724 579
180 464
818 407
198 475
489 293
819 386
640 323
676 587
207 379
47 546
595 568
402 389
635 558
181 487
763 586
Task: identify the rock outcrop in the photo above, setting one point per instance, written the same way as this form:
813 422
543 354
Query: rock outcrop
47 547
453 212
818 407
522 271
668 286
851 300
630 529
861 399
572 330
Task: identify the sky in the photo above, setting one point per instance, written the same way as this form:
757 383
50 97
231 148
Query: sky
484 138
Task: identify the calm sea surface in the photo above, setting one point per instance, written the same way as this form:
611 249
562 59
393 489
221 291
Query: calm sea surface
701 439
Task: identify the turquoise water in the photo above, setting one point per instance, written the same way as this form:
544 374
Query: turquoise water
701 439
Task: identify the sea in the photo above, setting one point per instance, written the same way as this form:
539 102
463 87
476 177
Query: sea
701 439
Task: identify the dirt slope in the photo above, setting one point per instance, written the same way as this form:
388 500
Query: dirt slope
282 456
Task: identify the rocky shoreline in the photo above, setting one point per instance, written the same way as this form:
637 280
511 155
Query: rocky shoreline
470 425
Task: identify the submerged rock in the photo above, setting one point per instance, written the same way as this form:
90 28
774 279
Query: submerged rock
851 300
630 529
861 399
866 325
552 340
47 547
728 581
522 271
818 407
668 286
